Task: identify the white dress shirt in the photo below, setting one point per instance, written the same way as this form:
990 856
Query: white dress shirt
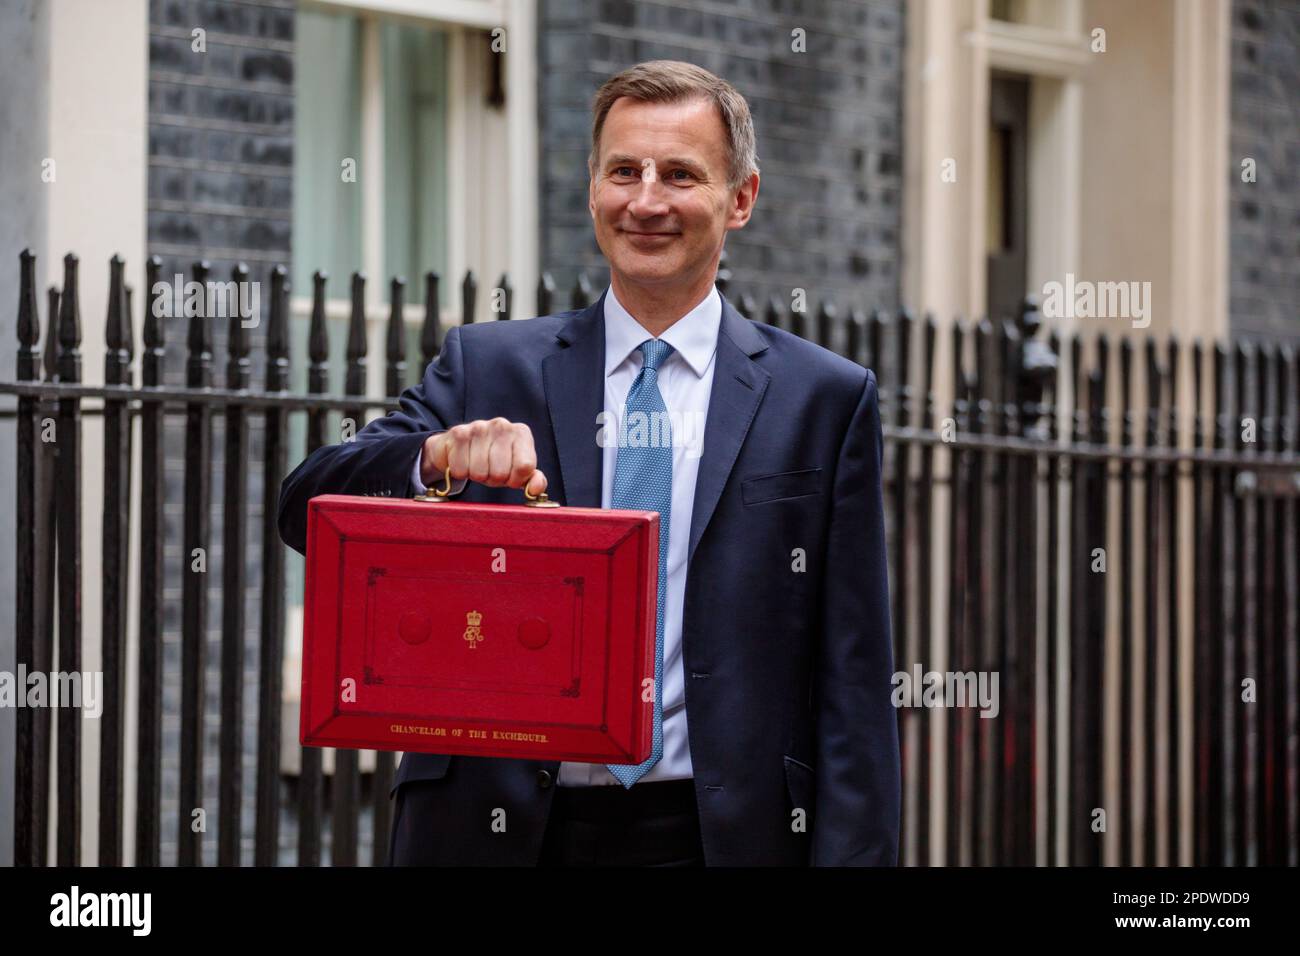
686 382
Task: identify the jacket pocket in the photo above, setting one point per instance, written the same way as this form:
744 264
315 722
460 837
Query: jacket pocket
420 767
801 784
786 484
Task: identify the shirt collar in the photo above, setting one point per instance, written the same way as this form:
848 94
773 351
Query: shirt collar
694 336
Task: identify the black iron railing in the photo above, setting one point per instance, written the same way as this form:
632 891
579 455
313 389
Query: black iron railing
1012 507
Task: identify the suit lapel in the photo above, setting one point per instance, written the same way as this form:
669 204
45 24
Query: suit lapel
574 381
738 387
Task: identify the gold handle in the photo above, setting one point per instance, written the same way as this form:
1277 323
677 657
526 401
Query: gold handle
540 501
435 495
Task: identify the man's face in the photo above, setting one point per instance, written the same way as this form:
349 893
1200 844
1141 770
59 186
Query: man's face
665 229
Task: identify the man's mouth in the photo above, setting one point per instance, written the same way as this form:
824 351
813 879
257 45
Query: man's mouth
645 236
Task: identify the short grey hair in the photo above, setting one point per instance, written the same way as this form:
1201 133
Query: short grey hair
671 81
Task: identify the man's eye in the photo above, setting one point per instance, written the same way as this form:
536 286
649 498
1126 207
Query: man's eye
624 171
684 174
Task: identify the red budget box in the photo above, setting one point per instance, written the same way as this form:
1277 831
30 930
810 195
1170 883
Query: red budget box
488 630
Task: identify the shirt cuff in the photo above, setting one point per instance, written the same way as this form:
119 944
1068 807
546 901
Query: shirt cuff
457 484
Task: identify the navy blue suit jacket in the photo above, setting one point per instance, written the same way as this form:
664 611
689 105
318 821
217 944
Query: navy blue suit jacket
785 631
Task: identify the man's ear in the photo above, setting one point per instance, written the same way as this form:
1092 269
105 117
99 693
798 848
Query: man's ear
591 192
742 204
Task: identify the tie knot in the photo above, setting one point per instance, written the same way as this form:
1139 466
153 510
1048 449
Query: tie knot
653 352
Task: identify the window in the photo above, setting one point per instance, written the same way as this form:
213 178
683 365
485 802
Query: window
370 147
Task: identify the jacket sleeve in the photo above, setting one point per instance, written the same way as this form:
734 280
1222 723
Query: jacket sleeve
380 457
856 815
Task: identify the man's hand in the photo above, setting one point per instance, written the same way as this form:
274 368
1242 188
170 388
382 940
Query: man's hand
493 452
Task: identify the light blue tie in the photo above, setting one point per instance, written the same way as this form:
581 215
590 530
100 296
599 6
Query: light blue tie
643 480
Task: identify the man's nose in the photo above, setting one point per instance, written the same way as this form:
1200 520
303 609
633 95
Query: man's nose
650 198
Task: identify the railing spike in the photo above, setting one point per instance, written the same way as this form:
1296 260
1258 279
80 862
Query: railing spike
396 344
431 330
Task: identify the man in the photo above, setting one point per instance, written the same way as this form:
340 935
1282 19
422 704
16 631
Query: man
775 738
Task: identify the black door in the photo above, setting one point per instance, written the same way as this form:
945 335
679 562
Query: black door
1008 194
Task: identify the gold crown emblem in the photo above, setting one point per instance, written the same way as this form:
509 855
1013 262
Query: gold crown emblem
473 618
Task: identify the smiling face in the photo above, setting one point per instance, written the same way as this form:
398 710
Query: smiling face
663 233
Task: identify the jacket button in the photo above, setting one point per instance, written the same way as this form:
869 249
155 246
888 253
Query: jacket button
543 778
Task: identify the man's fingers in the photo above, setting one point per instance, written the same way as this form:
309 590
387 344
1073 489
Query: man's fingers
493 452
477 460
524 461
493 440
500 455
458 458
433 458
441 447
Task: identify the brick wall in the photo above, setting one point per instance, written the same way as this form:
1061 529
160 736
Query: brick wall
828 123
1264 283
221 189
221 133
